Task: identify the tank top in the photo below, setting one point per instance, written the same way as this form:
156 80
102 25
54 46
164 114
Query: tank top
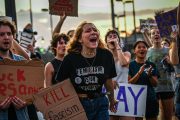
122 73
56 64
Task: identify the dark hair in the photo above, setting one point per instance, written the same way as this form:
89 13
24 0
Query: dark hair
57 37
140 41
7 23
166 40
70 31
112 32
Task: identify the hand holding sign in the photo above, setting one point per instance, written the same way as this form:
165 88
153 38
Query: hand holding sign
113 105
18 103
6 103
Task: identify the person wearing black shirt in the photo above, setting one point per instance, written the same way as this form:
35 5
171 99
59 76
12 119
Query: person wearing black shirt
89 66
58 45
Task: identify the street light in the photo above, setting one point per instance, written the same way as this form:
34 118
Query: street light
51 20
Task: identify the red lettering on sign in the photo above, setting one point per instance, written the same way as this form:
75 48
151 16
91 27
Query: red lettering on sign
22 89
20 75
52 95
57 96
11 86
6 76
3 77
62 2
2 89
10 77
45 97
65 95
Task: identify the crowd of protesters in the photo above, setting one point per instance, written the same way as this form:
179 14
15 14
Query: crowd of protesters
156 65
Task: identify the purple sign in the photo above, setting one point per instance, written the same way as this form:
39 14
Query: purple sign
167 22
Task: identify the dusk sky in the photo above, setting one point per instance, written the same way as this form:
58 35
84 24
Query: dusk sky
94 6
86 7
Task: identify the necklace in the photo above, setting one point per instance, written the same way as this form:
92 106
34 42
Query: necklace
89 53
89 69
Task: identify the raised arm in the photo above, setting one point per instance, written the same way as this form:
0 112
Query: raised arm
173 52
147 38
19 50
57 29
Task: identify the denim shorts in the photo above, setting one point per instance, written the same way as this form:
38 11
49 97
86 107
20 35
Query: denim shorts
177 110
165 95
97 108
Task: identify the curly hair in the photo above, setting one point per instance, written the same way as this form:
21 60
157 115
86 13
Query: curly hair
74 45
57 37
7 23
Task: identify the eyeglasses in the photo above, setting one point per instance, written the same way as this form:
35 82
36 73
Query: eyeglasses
7 33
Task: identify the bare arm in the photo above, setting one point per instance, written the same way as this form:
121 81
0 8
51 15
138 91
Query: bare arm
110 89
153 79
57 29
147 38
136 77
122 57
173 52
48 74
5 104
18 50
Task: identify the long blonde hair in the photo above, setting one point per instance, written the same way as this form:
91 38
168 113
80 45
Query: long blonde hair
74 45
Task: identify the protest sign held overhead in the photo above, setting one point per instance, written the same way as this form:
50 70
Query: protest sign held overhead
60 102
25 39
167 22
147 24
57 7
20 78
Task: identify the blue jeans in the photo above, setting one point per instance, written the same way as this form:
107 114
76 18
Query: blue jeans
97 108
21 114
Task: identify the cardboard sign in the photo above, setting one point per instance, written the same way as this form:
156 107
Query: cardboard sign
25 39
132 100
167 22
20 78
57 7
147 24
60 102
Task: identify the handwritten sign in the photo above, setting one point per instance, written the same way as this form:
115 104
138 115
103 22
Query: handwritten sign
60 102
25 39
57 7
132 100
167 22
20 78
147 24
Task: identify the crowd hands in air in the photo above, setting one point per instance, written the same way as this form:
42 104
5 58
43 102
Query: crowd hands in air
83 48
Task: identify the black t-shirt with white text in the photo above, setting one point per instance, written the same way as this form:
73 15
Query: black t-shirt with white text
87 74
